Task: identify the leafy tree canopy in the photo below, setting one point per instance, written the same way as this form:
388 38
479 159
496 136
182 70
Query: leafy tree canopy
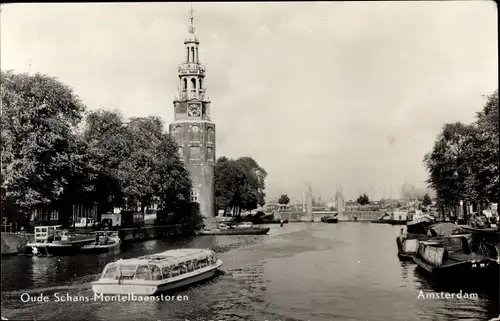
363 199
43 158
463 163
239 184
49 161
284 199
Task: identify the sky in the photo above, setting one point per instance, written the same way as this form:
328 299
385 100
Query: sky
339 95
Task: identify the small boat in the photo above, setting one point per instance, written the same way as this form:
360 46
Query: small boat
420 224
396 217
54 240
450 258
161 272
246 228
105 242
330 219
244 225
408 245
387 218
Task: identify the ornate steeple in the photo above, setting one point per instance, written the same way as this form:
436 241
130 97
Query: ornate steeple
192 74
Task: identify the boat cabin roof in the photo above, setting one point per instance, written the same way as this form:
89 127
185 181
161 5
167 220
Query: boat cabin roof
168 258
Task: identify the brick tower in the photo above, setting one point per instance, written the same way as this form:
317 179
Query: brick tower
192 128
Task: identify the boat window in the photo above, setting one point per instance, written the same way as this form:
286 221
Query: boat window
183 269
167 273
203 263
110 272
176 271
143 273
190 266
155 272
126 272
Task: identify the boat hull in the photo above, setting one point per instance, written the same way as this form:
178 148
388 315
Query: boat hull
461 270
397 222
52 249
101 248
392 222
235 231
146 289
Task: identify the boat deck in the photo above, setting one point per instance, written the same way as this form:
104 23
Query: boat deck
462 256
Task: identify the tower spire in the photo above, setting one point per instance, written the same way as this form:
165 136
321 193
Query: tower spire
191 18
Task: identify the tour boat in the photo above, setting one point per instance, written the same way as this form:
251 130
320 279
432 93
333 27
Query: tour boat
53 240
105 242
156 273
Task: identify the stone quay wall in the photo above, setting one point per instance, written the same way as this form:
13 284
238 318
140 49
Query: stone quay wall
153 232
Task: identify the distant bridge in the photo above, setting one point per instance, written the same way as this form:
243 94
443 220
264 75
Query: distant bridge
345 216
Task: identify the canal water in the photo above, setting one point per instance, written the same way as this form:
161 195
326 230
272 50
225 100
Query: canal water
317 272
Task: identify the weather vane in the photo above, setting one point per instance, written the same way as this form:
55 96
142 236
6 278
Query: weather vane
191 17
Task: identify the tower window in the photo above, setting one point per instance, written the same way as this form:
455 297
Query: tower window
187 56
195 133
210 134
194 153
193 83
185 83
192 54
178 133
210 154
201 83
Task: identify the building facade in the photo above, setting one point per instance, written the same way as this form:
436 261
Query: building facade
192 128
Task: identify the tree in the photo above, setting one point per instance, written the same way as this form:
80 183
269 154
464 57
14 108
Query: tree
449 163
426 201
363 199
49 163
284 199
137 162
172 184
239 184
463 164
486 154
225 174
40 148
137 172
105 135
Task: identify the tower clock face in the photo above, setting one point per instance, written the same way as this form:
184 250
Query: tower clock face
194 110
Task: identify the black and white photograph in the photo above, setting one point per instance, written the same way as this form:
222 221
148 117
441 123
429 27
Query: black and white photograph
250 161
